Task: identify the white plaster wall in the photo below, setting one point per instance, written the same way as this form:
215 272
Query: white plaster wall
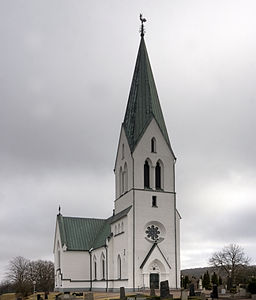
124 201
120 162
75 265
178 246
164 214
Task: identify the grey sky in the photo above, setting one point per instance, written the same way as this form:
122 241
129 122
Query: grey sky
65 74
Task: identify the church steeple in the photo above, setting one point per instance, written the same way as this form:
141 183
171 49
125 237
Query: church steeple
143 103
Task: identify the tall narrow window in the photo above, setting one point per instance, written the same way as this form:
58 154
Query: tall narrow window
125 178
119 267
103 266
146 174
120 181
58 254
103 269
153 145
158 176
95 267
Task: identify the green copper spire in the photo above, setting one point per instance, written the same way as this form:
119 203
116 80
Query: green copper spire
143 103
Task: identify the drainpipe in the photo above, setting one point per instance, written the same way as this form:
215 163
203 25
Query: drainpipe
106 247
90 252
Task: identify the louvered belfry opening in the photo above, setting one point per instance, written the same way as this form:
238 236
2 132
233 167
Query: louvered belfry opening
158 176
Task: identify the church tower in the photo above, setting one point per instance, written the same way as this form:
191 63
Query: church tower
145 183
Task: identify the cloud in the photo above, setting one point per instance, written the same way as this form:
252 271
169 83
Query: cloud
64 82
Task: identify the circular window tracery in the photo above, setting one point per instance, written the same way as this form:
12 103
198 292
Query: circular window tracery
153 232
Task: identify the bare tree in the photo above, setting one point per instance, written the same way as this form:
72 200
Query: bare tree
42 272
22 272
230 259
18 274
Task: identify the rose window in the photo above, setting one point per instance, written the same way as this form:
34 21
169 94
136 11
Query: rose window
153 232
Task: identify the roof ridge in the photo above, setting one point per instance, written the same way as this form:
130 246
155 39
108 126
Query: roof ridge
83 218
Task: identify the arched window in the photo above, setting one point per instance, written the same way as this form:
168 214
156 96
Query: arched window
119 267
146 175
122 227
120 181
158 175
119 228
103 266
58 255
153 145
95 267
115 229
125 178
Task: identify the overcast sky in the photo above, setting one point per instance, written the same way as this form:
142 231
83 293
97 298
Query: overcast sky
65 75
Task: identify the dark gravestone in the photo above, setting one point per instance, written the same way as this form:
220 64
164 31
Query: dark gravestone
122 293
164 289
38 296
214 293
191 290
89 296
152 292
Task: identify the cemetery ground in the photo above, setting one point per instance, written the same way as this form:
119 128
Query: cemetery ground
133 295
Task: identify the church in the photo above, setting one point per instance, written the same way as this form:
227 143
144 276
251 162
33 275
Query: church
139 245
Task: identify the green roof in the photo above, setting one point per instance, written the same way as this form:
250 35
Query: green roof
82 234
143 103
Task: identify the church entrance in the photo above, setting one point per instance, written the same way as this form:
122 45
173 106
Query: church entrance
154 280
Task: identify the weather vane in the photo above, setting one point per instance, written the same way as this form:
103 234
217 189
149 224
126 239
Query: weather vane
143 20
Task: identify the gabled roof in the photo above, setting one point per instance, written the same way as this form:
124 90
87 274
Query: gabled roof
143 103
82 234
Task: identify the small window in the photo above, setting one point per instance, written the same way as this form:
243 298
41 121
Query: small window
153 145
154 202
122 151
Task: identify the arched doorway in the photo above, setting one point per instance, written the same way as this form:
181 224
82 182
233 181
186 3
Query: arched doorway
156 270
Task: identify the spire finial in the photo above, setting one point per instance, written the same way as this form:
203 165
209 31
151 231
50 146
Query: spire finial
143 20
59 210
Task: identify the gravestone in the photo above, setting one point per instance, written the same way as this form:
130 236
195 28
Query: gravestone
191 290
152 292
202 296
242 292
122 293
164 289
184 295
200 284
88 296
223 291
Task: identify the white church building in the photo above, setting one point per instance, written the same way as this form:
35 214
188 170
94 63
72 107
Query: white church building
139 245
